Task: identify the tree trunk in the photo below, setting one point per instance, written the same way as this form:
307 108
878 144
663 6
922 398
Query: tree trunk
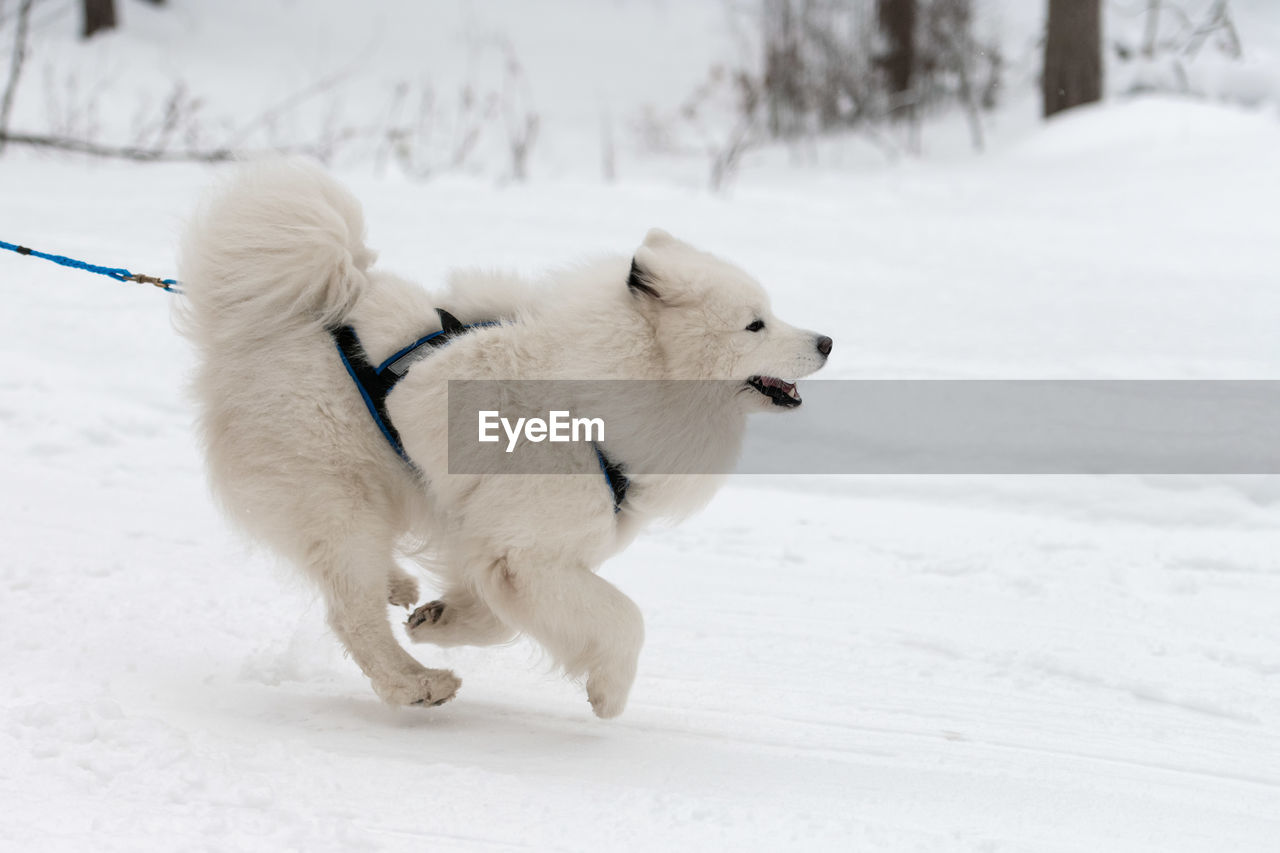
783 69
897 22
98 15
1072 55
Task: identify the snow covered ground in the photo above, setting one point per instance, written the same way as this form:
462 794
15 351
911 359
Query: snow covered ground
832 663
888 664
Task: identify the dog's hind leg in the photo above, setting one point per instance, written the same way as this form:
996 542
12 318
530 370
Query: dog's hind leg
458 618
585 622
354 577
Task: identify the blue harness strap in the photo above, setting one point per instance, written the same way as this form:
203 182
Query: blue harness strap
613 475
370 382
375 383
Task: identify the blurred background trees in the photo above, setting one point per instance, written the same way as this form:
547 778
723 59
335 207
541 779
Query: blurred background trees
840 64
801 76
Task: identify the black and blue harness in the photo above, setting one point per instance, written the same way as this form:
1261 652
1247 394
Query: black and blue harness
375 383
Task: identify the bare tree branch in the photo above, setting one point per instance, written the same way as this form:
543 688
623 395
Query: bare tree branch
289 102
1152 29
1218 19
133 152
117 152
169 129
15 66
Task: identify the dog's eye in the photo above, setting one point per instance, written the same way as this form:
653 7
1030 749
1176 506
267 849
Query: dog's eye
756 325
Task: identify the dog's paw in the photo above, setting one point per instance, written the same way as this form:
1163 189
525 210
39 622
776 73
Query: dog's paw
402 591
447 624
430 687
607 695
425 617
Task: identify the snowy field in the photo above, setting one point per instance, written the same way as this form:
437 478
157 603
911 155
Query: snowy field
893 664
832 663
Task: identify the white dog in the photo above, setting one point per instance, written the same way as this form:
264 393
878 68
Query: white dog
300 455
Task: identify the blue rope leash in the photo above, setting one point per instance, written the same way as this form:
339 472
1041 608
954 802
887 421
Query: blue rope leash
118 273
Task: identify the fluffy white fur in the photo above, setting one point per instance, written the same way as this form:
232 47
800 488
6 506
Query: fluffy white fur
277 256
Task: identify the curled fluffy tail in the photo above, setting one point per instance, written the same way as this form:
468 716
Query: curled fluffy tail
278 242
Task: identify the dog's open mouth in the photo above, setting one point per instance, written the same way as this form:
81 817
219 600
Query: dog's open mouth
781 392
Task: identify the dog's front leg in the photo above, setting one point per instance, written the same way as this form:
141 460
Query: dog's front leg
586 623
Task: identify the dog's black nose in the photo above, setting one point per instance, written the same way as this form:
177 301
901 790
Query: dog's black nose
824 345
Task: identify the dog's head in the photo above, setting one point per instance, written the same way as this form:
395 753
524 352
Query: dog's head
712 321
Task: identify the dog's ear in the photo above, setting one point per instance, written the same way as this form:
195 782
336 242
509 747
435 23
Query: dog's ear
657 238
640 281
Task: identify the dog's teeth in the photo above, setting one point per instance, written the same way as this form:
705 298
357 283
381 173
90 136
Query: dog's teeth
792 393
